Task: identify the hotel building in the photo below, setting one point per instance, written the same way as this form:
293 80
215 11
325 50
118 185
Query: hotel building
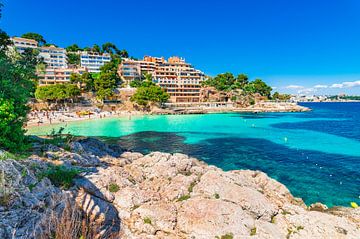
58 75
93 61
179 78
54 57
21 44
129 70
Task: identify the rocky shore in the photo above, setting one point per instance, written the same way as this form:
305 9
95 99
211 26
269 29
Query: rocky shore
159 195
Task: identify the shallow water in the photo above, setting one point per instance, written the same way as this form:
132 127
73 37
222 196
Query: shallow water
315 154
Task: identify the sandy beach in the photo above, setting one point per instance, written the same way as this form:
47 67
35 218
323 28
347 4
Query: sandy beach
40 118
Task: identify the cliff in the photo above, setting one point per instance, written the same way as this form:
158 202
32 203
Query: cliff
159 195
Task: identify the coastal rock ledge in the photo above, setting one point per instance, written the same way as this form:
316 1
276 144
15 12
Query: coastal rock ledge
160 195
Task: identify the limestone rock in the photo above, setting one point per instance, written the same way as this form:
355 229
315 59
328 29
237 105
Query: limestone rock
162 195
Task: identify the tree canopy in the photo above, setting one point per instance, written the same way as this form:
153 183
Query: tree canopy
73 48
16 86
258 86
278 96
146 80
35 36
227 81
108 80
57 92
86 81
148 92
73 58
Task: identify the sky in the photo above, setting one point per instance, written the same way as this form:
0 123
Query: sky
297 46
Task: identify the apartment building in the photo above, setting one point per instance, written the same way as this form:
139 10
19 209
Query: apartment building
21 44
129 70
54 57
58 75
93 61
179 78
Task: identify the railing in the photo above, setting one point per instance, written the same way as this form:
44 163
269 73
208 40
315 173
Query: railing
198 105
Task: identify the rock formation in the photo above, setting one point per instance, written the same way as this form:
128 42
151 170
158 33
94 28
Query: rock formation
163 195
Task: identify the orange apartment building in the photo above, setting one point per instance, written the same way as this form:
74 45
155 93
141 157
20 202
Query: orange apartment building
179 78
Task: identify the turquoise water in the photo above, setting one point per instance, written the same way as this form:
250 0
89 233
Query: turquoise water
315 154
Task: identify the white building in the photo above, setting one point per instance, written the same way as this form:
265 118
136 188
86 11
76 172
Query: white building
54 57
21 44
93 61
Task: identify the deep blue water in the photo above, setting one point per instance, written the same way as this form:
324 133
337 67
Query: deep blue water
315 154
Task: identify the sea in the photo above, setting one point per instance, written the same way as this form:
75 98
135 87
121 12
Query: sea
315 154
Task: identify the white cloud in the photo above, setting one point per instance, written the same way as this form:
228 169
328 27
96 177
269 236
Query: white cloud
294 87
347 84
273 87
321 86
307 91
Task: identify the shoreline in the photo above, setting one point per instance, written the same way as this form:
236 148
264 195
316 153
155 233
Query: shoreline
56 118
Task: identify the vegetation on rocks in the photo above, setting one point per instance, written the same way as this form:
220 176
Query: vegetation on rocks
226 236
147 220
183 198
281 97
113 187
253 231
60 176
227 82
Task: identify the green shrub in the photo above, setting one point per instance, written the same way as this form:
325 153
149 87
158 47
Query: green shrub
217 196
226 236
253 231
135 207
147 220
113 187
60 176
183 198
5 199
272 219
191 187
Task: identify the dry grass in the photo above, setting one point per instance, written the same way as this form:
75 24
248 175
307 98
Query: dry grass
6 189
71 223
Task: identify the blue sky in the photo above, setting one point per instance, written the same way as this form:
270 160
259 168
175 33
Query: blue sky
293 45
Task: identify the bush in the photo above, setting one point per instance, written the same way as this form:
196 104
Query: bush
60 176
113 187
147 220
183 198
226 236
253 231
